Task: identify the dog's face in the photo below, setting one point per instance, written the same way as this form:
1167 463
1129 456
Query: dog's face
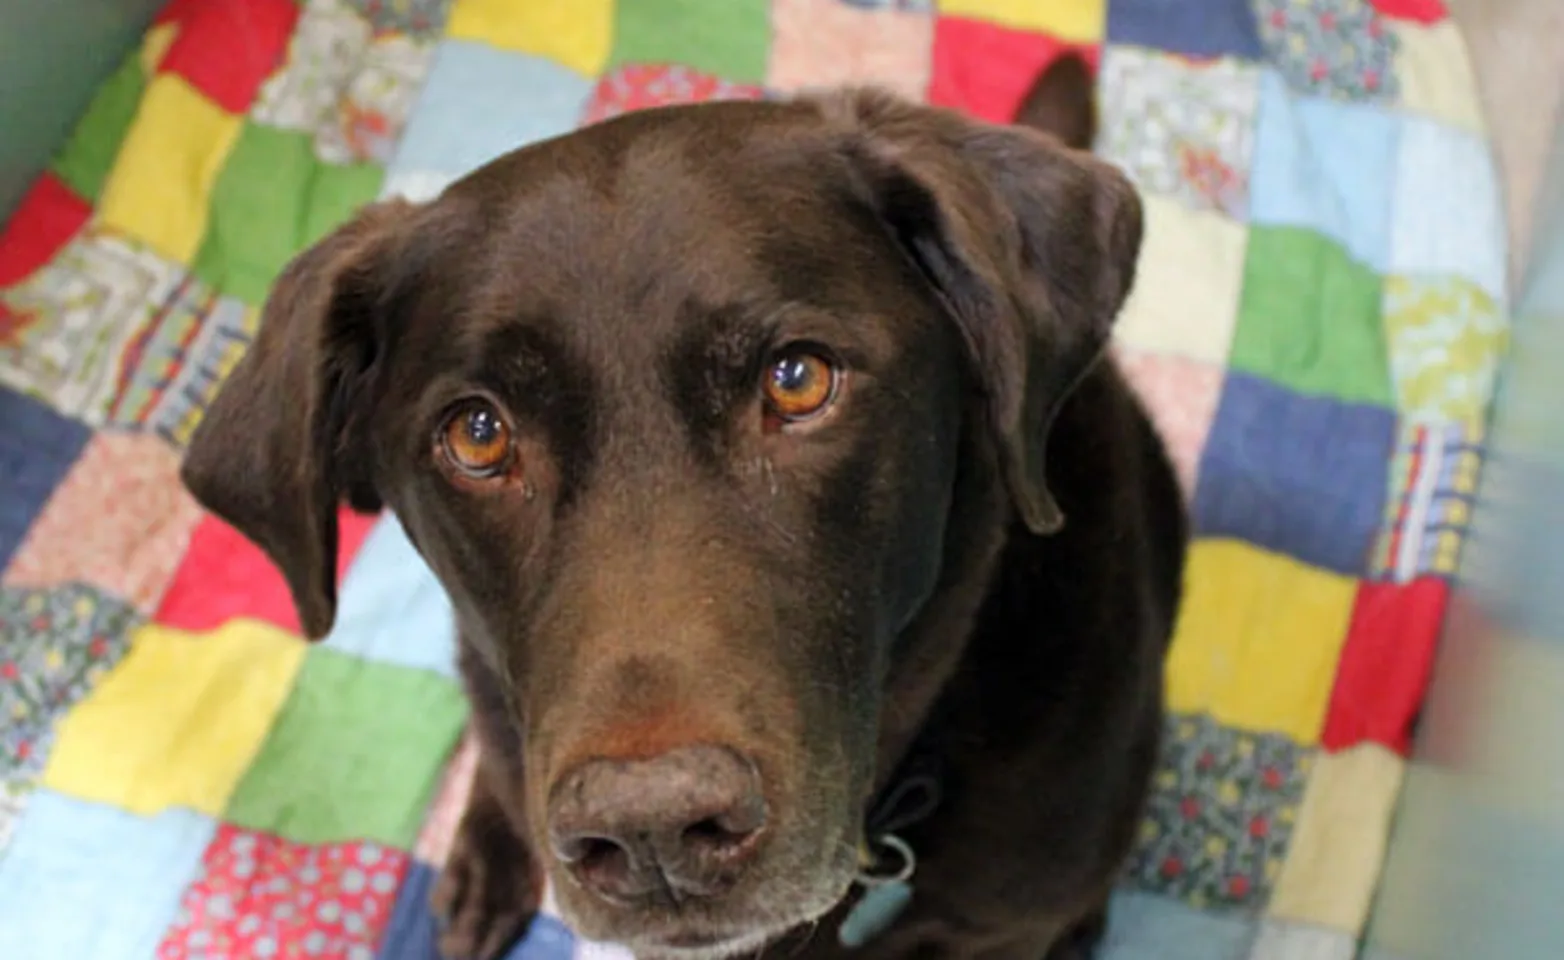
677 408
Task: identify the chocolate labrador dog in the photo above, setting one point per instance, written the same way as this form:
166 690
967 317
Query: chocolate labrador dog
813 565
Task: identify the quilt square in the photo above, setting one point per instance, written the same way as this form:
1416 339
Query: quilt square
325 774
1207 28
1434 72
1181 396
1331 48
821 43
55 645
639 86
481 102
1432 491
1310 318
224 577
1296 475
1076 21
1326 166
1417 11
1340 839
1220 814
48 217
88 156
1447 338
226 48
183 352
1385 664
178 721
37 448
730 38
258 895
368 121
412 932
1258 640
324 53
275 198
391 609
1143 926
68 854
79 319
1448 216
1180 127
577 36
161 184
1187 284
985 69
120 520
1286 940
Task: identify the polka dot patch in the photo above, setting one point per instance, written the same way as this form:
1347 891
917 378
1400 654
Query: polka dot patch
264 897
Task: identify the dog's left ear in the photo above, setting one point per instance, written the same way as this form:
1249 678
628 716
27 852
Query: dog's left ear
278 450
1031 246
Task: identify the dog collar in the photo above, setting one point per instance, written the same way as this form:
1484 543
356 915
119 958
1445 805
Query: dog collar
886 862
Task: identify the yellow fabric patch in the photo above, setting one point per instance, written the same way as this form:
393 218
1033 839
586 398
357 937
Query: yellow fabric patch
155 46
178 721
1186 294
161 185
1338 845
1446 339
578 34
1436 74
1078 21
1258 639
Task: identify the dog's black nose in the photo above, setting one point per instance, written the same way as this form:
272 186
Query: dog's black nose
681 825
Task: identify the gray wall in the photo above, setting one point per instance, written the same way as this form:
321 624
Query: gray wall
53 55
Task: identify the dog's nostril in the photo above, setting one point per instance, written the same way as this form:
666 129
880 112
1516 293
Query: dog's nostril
711 833
589 851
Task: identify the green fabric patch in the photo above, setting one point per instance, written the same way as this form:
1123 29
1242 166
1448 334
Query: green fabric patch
1309 318
356 753
274 198
728 38
88 156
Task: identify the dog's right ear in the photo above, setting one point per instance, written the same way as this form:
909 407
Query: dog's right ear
273 456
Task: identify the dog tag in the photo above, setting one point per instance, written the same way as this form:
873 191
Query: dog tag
876 910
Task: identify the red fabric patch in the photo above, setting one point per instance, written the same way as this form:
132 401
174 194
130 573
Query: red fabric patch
227 48
1421 11
986 69
261 896
640 86
49 216
224 576
1385 664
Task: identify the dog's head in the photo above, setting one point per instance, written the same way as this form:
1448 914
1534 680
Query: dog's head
684 410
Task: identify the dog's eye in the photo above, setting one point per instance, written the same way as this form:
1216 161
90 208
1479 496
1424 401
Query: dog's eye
799 384
476 440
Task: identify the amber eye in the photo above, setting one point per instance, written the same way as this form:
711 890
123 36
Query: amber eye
799 384
476 439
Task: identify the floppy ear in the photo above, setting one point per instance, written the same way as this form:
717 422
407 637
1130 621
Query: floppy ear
273 455
1031 246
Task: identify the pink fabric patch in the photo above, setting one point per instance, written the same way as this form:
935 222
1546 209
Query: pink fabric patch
1181 396
986 69
640 86
224 576
261 896
819 43
450 802
120 520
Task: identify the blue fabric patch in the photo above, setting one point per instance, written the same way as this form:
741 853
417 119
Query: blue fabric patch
37 448
481 102
1302 476
413 931
1327 166
392 608
1146 926
93 882
1196 28
1448 216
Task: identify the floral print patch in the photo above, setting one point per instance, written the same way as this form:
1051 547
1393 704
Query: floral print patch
1221 813
639 86
1446 338
1336 48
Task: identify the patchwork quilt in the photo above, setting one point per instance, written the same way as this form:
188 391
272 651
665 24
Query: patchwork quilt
1319 312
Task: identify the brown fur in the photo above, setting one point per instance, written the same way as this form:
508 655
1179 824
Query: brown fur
984 530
